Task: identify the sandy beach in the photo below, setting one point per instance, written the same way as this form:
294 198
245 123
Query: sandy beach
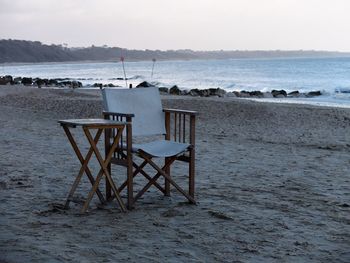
272 184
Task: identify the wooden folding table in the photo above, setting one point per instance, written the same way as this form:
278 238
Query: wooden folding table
100 125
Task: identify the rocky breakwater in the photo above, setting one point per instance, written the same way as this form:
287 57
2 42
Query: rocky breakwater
39 82
218 92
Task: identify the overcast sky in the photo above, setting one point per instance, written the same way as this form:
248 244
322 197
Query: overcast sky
181 24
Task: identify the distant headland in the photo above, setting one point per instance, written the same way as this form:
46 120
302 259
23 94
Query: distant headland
23 51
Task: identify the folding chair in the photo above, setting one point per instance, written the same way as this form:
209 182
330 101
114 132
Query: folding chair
143 109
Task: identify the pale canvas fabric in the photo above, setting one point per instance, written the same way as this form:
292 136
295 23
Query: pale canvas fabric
145 104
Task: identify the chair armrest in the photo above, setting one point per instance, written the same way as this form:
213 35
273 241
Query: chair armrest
187 112
180 125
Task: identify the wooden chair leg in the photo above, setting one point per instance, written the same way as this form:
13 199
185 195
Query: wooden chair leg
162 172
139 169
152 181
192 173
166 181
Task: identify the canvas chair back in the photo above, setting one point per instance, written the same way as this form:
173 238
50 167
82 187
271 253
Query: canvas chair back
144 103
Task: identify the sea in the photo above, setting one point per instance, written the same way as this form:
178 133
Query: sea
331 76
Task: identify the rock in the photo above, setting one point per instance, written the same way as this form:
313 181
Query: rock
69 83
279 93
97 85
53 82
185 92
41 82
217 92
314 93
342 90
6 80
164 90
175 90
17 80
27 81
194 92
64 83
294 94
76 84
244 94
256 93
145 84
204 93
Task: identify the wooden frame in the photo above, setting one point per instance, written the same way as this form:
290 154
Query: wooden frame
180 127
100 125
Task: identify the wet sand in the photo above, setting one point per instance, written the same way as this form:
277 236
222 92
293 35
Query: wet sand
272 184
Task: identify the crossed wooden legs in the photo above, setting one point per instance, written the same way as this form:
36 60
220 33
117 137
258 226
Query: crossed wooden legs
103 164
163 171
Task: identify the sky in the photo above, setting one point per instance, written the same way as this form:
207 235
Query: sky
181 24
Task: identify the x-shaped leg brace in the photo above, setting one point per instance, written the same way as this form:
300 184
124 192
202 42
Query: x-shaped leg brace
103 164
161 172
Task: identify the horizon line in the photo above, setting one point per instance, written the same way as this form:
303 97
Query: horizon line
181 49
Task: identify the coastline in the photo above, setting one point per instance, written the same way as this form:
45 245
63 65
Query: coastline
272 185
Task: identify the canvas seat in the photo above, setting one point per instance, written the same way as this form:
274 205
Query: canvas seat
142 107
162 148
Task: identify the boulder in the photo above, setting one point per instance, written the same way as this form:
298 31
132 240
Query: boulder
110 85
97 85
294 94
244 94
217 92
279 93
194 92
342 90
185 92
175 90
65 83
76 84
6 80
204 93
314 93
256 93
145 84
17 80
41 82
164 90
27 81
53 82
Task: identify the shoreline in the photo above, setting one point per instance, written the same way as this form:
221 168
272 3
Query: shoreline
319 101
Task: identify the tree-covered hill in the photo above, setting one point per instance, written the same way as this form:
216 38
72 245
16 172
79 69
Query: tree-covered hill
12 51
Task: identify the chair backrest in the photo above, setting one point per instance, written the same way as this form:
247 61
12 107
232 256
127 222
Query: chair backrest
144 103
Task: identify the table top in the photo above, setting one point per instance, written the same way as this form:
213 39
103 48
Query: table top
92 123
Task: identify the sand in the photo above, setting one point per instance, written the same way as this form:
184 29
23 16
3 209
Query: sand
273 185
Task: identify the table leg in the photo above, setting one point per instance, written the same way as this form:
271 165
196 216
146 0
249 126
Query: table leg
84 166
104 164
